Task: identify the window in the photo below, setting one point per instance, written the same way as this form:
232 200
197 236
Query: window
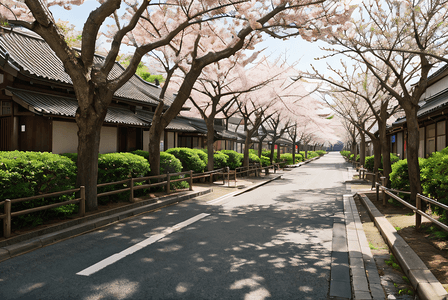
441 135
6 108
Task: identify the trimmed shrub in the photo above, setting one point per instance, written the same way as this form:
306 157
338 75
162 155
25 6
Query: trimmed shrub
321 152
265 161
370 161
253 158
116 167
72 156
235 159
202 155
345 153
26 174
145 154
399 177
220 160
434 174
288 158
170 164
189 159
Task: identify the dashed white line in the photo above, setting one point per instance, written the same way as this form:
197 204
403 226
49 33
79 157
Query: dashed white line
116 257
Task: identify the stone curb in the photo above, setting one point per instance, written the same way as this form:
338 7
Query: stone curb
250 188
88 223
423 281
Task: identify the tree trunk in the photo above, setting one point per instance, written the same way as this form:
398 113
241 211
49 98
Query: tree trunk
271 155
362 150
88 149
385 150
247 144
412 152
294 153
89 123
278 152
155 132
306 151
376 154
210 140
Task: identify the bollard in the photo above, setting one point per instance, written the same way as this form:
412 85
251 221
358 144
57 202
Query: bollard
418 217
7 219
82 203
383 183
191 180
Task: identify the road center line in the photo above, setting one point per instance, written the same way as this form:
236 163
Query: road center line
151 240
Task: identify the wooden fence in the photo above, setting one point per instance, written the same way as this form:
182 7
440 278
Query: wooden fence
164 180
417 209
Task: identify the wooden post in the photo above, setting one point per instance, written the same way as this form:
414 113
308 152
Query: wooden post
377 191
191 180
418 217
383 183
82 203
228 176
131 186
275 168
7 219
168 184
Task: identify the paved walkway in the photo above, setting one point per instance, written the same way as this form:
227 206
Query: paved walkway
315 213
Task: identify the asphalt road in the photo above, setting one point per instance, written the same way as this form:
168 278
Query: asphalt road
270 243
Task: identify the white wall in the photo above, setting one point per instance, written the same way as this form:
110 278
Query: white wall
146 140
108 141
65 138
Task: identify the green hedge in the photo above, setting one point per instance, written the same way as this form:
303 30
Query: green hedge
321 152
26 174
235 159
345 153
220 160
288 158
202 155
434 175
189 158
120 166
370 161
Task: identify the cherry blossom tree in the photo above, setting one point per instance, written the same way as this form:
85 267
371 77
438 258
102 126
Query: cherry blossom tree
200 32
409 38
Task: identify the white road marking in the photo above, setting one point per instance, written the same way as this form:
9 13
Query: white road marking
214 201
116 257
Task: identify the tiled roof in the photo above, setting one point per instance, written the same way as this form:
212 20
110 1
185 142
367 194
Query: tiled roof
433 103
65 106
175 124
33 57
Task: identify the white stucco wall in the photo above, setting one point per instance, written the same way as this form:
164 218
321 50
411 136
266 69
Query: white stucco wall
65 138
108 141
146 140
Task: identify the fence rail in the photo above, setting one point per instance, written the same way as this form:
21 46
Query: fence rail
417 209
131 187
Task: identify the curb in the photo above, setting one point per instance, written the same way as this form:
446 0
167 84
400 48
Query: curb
42 238
257 185
423 281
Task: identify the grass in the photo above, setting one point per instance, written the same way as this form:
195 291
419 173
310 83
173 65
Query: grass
397 228
372 247
392 262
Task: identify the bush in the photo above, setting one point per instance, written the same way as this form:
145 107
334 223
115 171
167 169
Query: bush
170 164
288 158
235 159
265 161
321 152
399 177
145 154
26 174
370 161
116 167
434 174
189 159
72 156
345 153
220 160
202 155
253 158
